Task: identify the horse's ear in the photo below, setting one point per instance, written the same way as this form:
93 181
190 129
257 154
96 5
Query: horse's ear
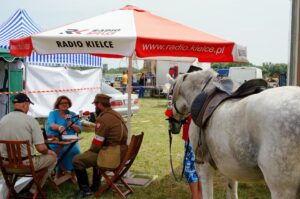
170 79
185 76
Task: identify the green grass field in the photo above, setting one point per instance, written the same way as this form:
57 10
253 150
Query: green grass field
153 159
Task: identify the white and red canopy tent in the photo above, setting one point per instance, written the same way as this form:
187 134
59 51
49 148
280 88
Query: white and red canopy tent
130 32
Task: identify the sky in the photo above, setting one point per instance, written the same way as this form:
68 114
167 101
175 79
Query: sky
263 26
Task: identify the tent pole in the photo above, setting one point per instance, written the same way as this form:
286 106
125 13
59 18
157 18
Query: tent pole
129 88
294 65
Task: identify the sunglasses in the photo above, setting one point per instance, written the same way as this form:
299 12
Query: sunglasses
64 103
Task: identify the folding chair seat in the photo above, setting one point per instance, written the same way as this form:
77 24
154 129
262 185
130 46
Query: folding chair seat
118 173
13 167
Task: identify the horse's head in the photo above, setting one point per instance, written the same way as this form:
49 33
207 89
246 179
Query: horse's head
182 93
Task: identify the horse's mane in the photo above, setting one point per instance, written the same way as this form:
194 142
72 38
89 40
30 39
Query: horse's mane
191 81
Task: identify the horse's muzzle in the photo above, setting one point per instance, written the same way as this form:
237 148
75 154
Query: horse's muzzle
175 125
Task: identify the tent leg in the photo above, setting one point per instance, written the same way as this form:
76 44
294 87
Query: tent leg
129 89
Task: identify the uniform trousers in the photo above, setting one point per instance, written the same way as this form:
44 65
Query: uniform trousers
85 160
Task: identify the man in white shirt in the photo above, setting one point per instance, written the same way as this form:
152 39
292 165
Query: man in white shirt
17 125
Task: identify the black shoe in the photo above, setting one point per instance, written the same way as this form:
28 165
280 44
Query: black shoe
82 194
95 187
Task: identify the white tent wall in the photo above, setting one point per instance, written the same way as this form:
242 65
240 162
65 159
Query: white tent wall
50 78
162 69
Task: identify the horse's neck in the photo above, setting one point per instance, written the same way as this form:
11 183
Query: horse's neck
190 96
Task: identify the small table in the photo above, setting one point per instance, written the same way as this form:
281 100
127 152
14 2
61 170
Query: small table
66 175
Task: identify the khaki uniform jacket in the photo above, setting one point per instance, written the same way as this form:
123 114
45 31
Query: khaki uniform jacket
111 126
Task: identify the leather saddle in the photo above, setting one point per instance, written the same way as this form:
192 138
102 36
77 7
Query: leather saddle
206 102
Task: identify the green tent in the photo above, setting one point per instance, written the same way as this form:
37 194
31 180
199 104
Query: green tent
14 75
5 54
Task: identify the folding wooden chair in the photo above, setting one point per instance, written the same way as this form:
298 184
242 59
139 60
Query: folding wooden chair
13 167
118 173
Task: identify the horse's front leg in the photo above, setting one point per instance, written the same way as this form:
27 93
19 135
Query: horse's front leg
232 187
205 173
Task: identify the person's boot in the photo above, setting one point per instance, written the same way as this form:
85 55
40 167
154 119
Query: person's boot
96 180
83 183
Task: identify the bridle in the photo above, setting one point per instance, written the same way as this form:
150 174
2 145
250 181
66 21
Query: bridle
174 103
175 129
176 109
171 119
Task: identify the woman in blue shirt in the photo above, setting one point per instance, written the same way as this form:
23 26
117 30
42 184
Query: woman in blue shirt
59 121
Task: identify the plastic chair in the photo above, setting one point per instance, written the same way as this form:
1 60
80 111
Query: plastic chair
14 167
120 171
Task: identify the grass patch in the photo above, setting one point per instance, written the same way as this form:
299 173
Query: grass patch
153 159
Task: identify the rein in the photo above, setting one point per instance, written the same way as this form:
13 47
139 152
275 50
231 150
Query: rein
172 122
172 130
206 84
171 160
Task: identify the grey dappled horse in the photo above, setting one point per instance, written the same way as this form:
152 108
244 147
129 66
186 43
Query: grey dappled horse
251 139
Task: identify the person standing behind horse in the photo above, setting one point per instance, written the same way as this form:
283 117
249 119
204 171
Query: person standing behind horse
17 125
124 81
59 122
189 163
110 130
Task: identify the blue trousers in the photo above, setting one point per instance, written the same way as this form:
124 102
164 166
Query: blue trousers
189 164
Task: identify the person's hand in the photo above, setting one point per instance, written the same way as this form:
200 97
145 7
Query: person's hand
62 129
50 152
69 123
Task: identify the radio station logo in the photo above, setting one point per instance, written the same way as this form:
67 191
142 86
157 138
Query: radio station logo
90 31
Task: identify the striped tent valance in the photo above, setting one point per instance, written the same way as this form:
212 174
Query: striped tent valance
21 25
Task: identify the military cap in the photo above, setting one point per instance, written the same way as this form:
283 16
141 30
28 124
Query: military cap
101 98
21 97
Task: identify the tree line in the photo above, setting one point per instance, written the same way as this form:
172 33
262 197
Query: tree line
119 70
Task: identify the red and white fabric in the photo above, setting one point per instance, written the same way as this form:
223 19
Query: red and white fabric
127 32
98 140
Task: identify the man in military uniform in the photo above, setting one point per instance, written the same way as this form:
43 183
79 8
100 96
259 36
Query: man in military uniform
110 129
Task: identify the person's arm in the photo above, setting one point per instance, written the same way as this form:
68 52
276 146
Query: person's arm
99 138
53 126
57 127
76 123
77 127
43 149
97 143
38 139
